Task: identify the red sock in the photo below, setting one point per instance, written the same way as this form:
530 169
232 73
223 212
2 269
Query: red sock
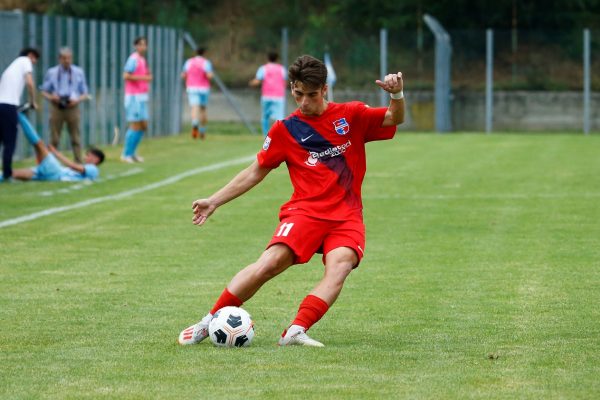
310 311
226 299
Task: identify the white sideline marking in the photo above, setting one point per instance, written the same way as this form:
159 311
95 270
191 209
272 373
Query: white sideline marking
127 193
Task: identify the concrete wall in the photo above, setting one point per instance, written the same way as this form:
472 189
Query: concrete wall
526 111
513 110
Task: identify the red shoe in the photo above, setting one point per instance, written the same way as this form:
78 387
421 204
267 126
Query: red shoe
195 133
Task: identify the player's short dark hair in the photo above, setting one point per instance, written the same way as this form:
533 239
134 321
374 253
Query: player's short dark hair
200 50
139 39
309 71
272 56
98 153
30 50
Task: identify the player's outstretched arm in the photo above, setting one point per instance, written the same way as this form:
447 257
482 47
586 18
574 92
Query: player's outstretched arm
393 84
240 184
31 90
65 161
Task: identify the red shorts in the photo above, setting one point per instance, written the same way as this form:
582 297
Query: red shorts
306 236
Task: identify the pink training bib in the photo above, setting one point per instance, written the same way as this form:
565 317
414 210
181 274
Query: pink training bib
196 75
273 84
138 87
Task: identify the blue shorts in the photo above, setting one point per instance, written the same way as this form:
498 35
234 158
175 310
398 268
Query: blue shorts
136 108
198 98
48 170
272 109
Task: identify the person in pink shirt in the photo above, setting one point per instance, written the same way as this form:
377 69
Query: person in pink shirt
137 78
197 74
273 77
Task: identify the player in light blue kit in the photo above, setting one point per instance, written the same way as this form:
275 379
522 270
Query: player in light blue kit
197 73
137 78
273 78
53 165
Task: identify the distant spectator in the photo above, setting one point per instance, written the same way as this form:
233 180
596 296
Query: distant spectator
137 78
53 165
197 73
13 80
273 77
65 87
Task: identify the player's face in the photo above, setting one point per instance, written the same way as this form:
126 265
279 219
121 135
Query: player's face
310 100
66 60
141 47
91 158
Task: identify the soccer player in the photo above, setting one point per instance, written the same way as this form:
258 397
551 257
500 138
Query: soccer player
137 77
323 146
273 78
53 165
197 74
13 80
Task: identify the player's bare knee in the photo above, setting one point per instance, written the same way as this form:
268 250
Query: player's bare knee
339 270
273 261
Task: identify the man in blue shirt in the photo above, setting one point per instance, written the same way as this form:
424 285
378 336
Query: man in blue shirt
53 165
65 87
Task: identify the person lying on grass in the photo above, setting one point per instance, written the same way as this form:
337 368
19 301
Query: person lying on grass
53 165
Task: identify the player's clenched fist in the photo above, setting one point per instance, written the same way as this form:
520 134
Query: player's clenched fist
202 209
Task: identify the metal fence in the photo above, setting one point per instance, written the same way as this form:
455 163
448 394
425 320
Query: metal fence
101 49
533 80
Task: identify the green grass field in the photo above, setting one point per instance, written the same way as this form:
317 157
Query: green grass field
481 279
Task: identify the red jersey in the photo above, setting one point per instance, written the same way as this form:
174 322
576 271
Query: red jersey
325 156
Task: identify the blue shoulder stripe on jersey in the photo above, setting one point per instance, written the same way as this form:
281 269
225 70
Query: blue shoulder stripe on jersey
312 141
306 136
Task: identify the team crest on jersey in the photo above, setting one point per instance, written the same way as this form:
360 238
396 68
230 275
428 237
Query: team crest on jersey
341 126
267 143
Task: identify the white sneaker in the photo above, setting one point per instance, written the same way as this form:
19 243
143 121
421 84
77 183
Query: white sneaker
138 158
127 159
195 333
296 336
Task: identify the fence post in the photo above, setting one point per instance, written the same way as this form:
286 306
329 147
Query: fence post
383 69
114 76
12 26
489 81
284 59
79 59
586 81
104 80
178 85
443 55
93 39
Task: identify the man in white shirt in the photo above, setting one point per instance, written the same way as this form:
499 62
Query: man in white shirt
13 80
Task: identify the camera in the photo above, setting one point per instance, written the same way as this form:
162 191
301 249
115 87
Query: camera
63 102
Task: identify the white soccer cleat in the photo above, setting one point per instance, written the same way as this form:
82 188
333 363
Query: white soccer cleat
296 336
138 158
127 159
195 333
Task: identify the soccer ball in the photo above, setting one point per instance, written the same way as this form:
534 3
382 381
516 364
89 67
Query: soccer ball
231 327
